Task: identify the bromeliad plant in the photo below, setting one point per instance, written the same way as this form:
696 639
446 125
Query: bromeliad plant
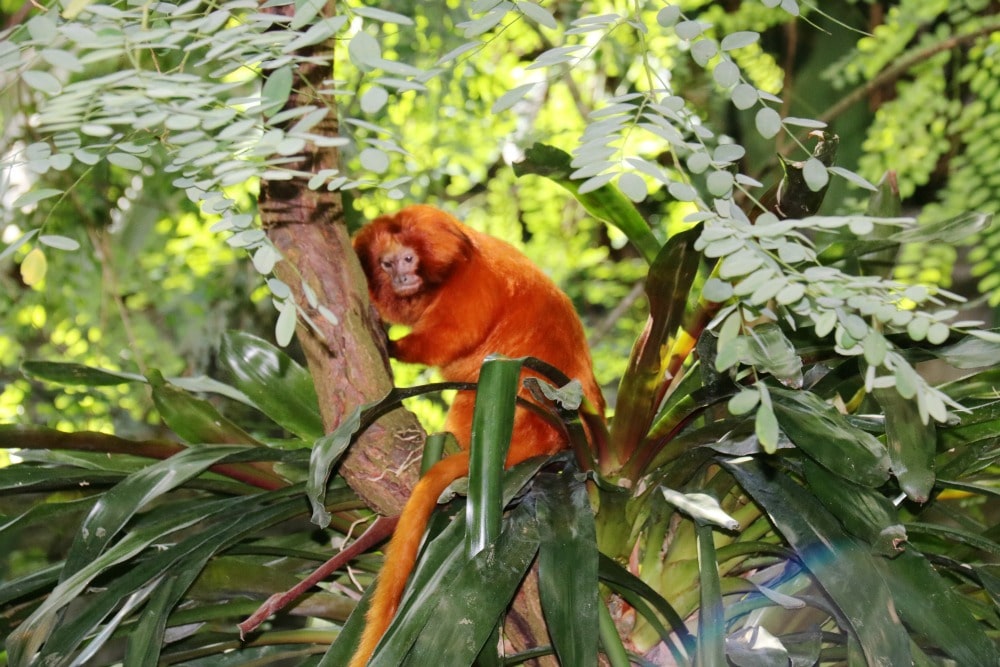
778 486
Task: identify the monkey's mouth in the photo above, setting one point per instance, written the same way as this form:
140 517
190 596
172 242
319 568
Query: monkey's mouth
406 289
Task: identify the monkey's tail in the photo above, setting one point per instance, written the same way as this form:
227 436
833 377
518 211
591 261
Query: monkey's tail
401 554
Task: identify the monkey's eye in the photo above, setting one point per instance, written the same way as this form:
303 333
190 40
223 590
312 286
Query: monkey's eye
408 259
386 264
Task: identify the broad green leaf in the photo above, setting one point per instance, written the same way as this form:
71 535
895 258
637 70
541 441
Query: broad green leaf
195 420
477 597
912 444
276 384
567 567
846 571
667 286
931 605
442 557
492 425
863 512
120 504
825 435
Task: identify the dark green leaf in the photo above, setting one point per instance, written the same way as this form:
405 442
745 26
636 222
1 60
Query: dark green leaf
76 374
825 435
641 596
492 425
864 512
846 570
667 286
436 569
194 419
281 388
931 606
119 504
477 596
911 444
567 567
325 454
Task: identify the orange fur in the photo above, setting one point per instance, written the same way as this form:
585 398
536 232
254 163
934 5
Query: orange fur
466 295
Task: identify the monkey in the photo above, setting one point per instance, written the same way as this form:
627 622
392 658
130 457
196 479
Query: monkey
465 295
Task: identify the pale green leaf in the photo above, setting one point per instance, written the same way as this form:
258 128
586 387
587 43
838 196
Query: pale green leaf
42 82
59 242
768 122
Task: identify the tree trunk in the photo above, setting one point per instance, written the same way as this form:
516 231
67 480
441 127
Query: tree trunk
348 360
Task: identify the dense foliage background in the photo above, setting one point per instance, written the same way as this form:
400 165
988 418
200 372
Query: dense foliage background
135 140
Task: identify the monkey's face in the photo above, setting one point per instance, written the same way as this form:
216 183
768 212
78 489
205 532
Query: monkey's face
401 264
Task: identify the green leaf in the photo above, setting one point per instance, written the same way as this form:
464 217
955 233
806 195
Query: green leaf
276 384
930 605
768 122
33 197
911 443
76 374
193 419
825 435
864 512
644 598
477 596
276 89
492 425
770 351
605 203
845 570
438 566
120 504
326 451
41 81
711 617
59 242
667 286
567 567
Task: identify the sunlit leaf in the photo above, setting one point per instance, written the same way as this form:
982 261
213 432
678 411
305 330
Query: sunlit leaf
34 267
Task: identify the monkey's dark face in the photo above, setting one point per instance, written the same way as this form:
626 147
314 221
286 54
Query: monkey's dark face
402 266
